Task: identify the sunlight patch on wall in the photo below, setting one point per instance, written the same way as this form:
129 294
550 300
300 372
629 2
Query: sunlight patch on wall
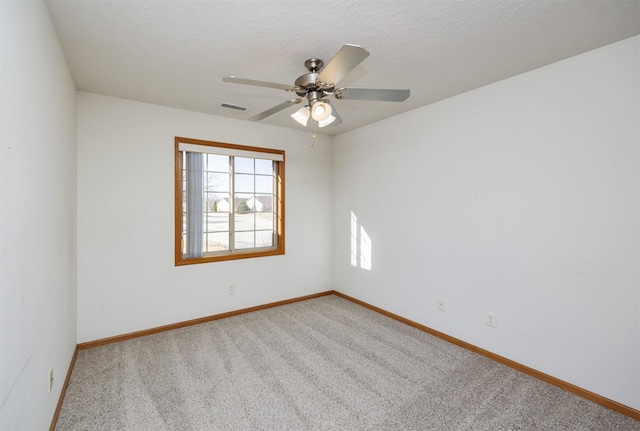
354 239
365 250
361 245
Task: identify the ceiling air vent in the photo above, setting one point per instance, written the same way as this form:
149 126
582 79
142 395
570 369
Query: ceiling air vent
233 107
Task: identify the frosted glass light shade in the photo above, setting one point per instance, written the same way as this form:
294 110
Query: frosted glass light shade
327 121
301 115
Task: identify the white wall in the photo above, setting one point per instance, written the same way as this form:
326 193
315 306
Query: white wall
519 198
127 280
37 217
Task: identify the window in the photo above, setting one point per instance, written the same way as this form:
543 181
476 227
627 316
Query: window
229 201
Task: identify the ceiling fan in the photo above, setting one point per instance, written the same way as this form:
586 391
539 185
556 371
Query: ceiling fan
315 86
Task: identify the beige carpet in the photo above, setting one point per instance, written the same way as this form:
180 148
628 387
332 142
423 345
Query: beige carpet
322 364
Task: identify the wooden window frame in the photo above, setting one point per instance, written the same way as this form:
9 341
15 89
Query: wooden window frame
279 249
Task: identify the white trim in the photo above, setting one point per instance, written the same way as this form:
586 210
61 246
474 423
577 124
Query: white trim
195 148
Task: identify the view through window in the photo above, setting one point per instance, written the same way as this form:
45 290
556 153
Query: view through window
229 201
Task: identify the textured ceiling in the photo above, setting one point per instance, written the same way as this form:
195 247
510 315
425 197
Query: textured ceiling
175 53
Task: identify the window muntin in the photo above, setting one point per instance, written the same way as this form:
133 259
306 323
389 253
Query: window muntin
229 201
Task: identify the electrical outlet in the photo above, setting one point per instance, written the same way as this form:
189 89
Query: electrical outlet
491 319
50 378
442 305
232 289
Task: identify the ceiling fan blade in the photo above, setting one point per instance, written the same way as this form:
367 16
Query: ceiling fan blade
275 109
237 80
383 95
345 60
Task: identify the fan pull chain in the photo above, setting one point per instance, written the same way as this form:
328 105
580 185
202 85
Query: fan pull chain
314 134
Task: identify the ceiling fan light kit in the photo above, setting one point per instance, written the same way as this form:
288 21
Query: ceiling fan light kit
318 84
320 111
302 115
327 121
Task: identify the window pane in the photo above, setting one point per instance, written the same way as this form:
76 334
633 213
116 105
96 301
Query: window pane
243 202
264 238
264 184
217 182
220 202
262 203
209 202
217 241
217 222
264 167
264 221
244 240
244 222
244 183
243 165
217 163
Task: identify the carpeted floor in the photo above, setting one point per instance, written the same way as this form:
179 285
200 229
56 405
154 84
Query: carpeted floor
322 364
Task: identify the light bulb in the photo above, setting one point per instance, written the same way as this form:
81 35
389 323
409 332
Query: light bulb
320 111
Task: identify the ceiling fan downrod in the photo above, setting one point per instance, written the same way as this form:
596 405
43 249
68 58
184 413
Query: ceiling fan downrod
313 64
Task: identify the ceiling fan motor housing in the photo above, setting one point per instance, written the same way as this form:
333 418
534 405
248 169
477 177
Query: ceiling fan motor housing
309 81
